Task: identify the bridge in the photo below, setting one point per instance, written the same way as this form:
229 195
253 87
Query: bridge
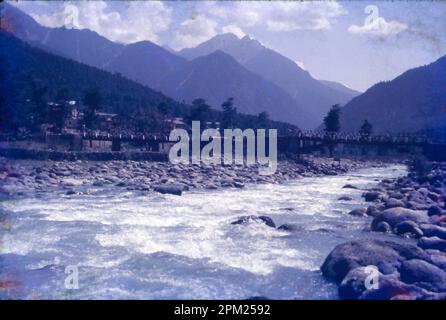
301 142
298 142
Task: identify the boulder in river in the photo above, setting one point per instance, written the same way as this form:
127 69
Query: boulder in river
372 196
393 203
385 255
247 219
391 288
432 243
393 216
353 284
372 211
349 186
359 212
291 227
435 211
175 189
382 227
431 230
408 227
423 274
353 287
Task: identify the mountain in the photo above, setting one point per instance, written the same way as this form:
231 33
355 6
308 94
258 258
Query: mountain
145 62
84 46
340 87
25 68
314 96
241 49
150 64
218 76
414 101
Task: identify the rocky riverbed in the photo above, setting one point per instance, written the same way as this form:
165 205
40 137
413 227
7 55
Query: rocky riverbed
410 207
21 176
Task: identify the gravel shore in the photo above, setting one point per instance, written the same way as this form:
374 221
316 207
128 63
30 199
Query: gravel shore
21 176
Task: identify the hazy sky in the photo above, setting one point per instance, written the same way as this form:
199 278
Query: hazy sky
340 41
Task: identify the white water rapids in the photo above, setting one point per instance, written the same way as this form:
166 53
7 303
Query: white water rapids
134 245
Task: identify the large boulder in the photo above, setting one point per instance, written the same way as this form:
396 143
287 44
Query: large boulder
393 216
385 255
291 227
408 227
432 243
388 287
431 230
353 284
373 211
394 203
423 274
359 212
263 219
391 288
372 196
175 189
435 211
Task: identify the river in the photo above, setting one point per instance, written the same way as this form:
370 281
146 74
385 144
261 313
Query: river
134 245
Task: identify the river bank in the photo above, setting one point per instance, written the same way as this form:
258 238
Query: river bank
414 207
21 176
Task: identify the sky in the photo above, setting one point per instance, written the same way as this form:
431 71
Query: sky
356 43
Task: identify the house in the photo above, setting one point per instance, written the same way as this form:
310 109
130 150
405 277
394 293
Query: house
175 123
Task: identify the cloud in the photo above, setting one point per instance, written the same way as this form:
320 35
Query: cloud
211 17
287 15
138 20
233 29
376 25
379 27
193 31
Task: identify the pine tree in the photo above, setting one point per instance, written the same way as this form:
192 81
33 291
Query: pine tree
331 120
366 128
229 114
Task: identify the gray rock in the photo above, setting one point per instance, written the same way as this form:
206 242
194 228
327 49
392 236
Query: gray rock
175 189
393 203
385 255
393 216
372 211
345 198
423 274
382 227
432 243
431 230
359 212
408 227
247 219
391 288
353 284
435 211
372 196
349 186
291 227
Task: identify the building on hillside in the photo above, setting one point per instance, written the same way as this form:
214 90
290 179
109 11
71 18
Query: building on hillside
174 123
